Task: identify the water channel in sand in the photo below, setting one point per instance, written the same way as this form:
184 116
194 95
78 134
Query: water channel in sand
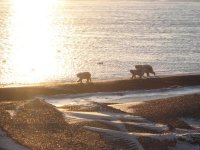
123 96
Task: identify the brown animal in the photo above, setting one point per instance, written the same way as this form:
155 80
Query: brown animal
136 73
84 75
145 69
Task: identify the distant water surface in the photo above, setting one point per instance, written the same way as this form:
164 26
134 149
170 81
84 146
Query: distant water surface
45 41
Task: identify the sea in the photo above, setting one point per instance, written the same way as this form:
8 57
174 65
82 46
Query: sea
53 40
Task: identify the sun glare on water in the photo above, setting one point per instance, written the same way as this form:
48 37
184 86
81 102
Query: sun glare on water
33 49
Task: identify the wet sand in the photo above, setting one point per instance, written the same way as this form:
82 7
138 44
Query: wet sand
155 124
167 110
31 91
39 125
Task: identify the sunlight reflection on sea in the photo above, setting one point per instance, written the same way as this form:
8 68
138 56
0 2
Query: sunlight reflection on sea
46 41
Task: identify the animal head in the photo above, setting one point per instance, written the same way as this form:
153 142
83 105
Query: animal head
78 75
138 67
131 71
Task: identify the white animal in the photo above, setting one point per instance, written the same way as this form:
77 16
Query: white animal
136 73
84 75
145 69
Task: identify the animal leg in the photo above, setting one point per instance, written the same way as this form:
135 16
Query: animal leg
152 72
132 77
147 74
81 80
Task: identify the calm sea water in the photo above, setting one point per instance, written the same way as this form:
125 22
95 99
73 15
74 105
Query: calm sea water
44 41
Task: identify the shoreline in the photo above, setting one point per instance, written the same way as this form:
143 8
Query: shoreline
29 92
60 83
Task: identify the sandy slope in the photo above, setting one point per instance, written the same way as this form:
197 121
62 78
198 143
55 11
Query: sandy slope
169 110
171 123
39 125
